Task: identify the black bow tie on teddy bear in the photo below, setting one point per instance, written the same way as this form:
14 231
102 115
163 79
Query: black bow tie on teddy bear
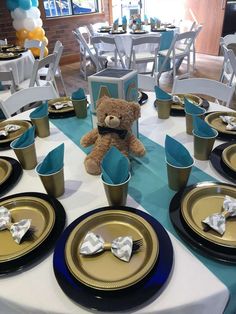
105 130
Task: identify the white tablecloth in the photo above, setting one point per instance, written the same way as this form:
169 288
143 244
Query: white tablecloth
22 67
191 288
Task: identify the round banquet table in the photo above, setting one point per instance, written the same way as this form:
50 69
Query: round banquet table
191 288
22 67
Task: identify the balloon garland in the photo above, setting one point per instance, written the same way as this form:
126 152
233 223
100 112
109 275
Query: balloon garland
27 22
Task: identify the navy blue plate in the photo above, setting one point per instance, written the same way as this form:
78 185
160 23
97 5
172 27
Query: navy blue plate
14 176
139 294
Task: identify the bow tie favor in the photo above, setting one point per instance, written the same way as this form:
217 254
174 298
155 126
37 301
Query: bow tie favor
102 130
121 247
17 229
59 105
8 129
217 221
229 120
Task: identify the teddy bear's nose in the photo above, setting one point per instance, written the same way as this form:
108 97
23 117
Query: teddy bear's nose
111 117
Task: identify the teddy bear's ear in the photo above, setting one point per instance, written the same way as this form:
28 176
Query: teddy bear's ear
136 110
100 100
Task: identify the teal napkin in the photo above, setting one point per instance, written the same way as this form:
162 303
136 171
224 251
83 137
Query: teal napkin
190 108
116 22
152 20
40 112
161 94
203 129
176 154
78 95
53 162
26 139
115 167
138 21
124 20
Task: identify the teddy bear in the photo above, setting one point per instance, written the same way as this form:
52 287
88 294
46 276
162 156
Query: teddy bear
114 122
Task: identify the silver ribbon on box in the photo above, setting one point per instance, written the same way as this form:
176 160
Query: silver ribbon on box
121 247
59 105
17 229
217 221
8 129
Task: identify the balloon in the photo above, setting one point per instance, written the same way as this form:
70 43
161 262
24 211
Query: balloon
11 4
18 24
35 3
20 42
39 22
22 34
35 52
13 15
37 33
25 4
19 14
45 52
29 24
33 12
45 40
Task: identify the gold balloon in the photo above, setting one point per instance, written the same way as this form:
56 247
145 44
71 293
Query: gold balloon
45 51
37 33
20 42
35 52
22 34
45 40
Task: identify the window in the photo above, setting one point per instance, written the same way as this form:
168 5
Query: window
69 7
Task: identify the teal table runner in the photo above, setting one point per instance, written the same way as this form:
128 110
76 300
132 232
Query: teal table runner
149 187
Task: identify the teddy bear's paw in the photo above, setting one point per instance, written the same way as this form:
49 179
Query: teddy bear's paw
92 166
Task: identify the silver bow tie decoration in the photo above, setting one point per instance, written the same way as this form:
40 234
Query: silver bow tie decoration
60 105
229 120
217 221
121 247
17 229
8 129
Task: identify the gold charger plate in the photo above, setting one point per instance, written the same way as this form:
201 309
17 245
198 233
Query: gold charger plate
43 219
25 125
193 98
104 271
229 156
5 170
16 49
206 200
214 120
61 99
9 55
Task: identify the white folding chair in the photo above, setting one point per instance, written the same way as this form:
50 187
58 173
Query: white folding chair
228 73
221 92
144 50
8 83
35 44
228 39
146 82
26 96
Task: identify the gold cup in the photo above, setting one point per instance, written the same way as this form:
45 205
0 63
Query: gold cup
116 193
203 146
189 121
41 126
80 107
25 155
53 183
124 27
178 176
163 108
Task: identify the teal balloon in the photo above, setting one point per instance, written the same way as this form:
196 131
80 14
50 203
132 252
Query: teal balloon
35 3
25 4
12 4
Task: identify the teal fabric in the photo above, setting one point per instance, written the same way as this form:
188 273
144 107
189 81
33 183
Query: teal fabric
176 154
53 162
161 94
26 139
40 112
166 39
192 109
124 20
149 187
202 129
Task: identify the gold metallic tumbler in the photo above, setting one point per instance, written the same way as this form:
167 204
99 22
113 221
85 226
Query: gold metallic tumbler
80 107
41 126
189 121
203 146
178 176
163 108
26 155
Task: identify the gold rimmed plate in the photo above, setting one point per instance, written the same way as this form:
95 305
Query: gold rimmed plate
5 170
9 55
16 49
52 109
104 271
192 98
229 157
205 200
117 32
214 120
24 125
43 218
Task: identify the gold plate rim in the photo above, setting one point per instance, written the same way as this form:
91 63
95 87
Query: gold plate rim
213 237
8 168
226 156
4 55
179 107
60 99
42 237
210 117
11 137
123 283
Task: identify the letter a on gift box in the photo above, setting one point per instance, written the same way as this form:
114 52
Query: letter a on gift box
103 92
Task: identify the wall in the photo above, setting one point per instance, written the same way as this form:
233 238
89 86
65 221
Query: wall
55 28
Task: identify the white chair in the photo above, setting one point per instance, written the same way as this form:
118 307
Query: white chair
35 44
228 39
174 55
3 42
8 83
228 73
146 82
87 55
26 96
144 50
221 92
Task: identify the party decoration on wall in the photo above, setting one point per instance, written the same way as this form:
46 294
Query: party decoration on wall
27 23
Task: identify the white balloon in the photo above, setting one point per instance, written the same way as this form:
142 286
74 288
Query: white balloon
39 22
33 13
20 14
13 15
29 23
18 24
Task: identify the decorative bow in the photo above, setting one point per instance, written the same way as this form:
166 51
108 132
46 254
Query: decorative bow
102 130
121 247
217 221
17 229
8 129
60 105
231 125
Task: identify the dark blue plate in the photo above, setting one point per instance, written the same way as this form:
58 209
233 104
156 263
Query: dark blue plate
139 294
14 176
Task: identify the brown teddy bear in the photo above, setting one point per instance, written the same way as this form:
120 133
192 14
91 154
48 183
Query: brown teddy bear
115 118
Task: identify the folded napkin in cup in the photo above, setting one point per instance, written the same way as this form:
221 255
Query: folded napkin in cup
17 229
62 104
217 221
202 129
116 22
121 247
26 139
115 167
9 128
231 125
124 20
176 154
78 94
40 112
53 162
192 109
161 94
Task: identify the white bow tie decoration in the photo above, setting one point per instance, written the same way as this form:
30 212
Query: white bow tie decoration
17 229
60 105
8 129
121 247
229 120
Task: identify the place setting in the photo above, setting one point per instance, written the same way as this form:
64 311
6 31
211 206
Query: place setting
16 49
